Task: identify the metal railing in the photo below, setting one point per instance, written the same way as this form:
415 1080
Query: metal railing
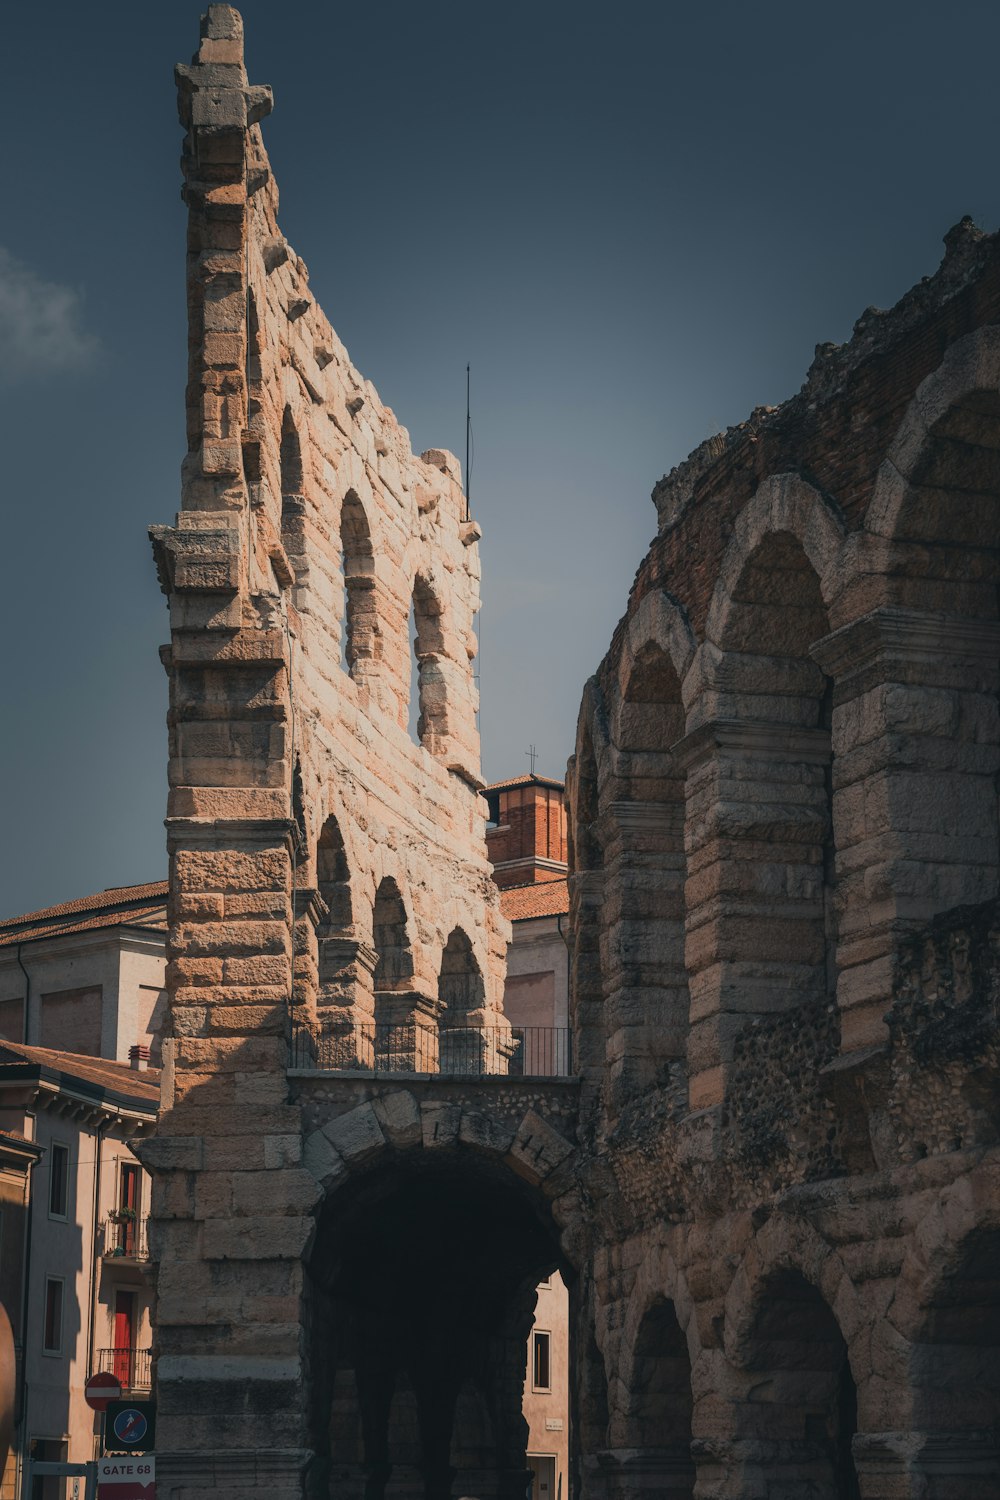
125 1239
132 1368
332 1045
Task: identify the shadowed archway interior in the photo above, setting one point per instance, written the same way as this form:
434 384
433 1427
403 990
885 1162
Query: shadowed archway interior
423 1293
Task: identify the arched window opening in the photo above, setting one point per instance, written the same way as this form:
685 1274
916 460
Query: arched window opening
954 497
359 624
464 1046
336 948
662 1405
426 717
401 1043
956 1375
391 941
784 703
293 505
803 1409
646 992
253 365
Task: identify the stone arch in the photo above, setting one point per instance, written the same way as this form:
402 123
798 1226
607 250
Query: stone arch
400 1040
955 1371
360 631
948 446
761 934
792 1322
586 884
291 465
583 781
646 992
390 937
652 1403
785 504
428 692
662 620
442 1307
466 1044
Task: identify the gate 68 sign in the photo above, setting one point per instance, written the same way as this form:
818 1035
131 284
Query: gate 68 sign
126 1478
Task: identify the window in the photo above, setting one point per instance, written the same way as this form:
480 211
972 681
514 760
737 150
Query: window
540 1372
58 1182
52 1340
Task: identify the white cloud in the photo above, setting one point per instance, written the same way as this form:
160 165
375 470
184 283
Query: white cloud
41 325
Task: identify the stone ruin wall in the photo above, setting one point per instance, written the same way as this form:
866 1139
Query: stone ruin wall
296 793
783 820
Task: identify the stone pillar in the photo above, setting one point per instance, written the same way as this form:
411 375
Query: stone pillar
586 894
915 744
231 1207
757 825
645 983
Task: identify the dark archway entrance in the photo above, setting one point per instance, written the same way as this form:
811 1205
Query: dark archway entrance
802 1410
424 1282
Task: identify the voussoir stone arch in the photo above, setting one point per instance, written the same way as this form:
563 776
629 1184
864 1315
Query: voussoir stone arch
658 1278
968 1205
786 1244
324 804
398 1122
782 503
661 621
971 365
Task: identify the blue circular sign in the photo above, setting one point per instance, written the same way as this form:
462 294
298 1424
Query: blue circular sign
130 1427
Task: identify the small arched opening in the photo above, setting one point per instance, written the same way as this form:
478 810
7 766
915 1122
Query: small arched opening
465 1045
293 504
336 948
658 1430
801 1410
427 711
359 633
955 1372
397 1032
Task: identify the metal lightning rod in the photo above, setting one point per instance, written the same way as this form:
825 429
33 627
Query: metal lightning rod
468 429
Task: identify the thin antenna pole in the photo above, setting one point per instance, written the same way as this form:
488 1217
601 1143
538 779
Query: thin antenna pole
468 429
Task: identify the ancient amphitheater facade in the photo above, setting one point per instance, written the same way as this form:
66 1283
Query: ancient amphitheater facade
770 1175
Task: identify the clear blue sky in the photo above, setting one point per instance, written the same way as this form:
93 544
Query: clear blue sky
635 222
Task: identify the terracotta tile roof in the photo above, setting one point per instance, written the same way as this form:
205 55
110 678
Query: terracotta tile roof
503 786
122 905
100 1073
546 898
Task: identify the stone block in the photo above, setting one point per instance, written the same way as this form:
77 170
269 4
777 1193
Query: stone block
484 1132
439 1123
537 1148
356 1135
398 1115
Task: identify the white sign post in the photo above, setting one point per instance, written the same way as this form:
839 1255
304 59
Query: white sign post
127 1477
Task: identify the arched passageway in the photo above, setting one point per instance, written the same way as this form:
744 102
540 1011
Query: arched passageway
423 1290
956 1377
801 1410
659 1427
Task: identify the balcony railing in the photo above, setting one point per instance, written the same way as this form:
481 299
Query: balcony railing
336 1046
125 1239
132 1368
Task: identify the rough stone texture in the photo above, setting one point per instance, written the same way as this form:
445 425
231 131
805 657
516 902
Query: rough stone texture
783 829
773 1190
328 874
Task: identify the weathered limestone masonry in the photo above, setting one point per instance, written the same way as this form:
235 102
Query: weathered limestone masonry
787 941
329 889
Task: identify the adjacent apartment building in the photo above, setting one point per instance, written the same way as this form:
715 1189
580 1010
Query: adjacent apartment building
79 993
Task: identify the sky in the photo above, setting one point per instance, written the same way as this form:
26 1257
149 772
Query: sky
634 222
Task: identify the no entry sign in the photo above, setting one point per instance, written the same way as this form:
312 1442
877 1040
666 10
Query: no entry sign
126 1478
100 1389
